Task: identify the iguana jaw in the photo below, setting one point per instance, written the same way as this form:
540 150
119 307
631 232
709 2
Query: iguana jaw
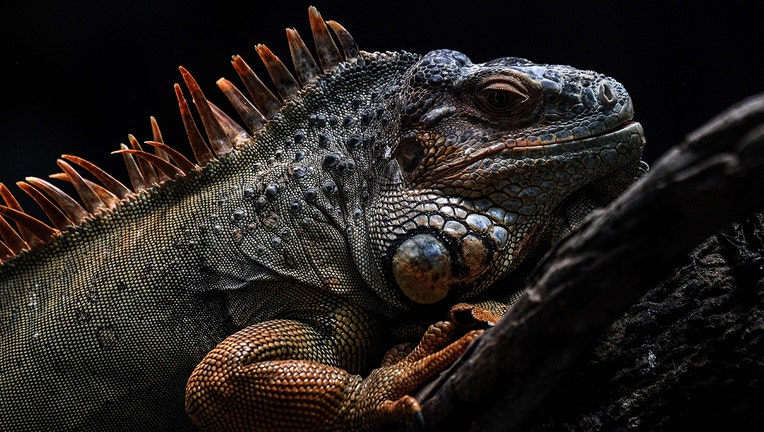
429 267
527 148
586 141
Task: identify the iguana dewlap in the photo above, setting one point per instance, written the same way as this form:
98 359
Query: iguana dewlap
305 270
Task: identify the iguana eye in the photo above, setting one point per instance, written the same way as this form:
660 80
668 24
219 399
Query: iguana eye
501 97
507 96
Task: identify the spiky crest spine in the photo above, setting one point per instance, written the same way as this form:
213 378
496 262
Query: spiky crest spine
146 169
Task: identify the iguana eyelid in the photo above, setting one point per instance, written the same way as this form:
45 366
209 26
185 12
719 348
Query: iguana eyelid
517 91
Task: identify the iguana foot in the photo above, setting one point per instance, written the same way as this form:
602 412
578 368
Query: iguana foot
468 315
384 396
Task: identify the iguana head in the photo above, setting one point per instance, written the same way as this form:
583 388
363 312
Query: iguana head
493 160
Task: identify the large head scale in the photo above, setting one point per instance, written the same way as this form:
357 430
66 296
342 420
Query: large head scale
491 161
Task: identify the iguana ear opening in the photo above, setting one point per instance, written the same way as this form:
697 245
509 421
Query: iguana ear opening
409 152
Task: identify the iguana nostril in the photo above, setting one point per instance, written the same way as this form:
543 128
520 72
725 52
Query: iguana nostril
422 269
606 95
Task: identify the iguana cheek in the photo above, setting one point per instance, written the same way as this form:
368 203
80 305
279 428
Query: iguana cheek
475 258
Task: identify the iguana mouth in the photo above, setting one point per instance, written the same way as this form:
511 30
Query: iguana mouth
587 142
530 145
517 149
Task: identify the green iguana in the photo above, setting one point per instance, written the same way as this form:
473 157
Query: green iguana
282 280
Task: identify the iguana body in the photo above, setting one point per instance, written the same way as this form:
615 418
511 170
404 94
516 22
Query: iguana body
387 189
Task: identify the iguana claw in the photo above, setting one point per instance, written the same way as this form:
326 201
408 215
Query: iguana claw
384 396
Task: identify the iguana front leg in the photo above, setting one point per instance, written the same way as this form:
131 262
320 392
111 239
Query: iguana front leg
284 375
275 375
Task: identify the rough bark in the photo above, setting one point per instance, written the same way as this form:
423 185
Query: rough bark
688 356
628 324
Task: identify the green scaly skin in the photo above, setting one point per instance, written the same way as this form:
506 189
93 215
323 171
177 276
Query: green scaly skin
388 191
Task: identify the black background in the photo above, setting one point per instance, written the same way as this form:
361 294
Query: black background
78 78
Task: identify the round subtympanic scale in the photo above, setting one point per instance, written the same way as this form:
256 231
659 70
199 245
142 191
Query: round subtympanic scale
422 268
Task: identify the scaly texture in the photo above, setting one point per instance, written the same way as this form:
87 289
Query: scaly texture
374 196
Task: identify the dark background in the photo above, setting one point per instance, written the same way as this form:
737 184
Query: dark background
78 78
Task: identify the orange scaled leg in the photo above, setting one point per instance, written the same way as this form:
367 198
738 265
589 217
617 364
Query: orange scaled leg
283 375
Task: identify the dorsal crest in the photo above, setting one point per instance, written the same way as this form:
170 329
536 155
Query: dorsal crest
100 193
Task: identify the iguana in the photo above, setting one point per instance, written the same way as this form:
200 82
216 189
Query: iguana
282 280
